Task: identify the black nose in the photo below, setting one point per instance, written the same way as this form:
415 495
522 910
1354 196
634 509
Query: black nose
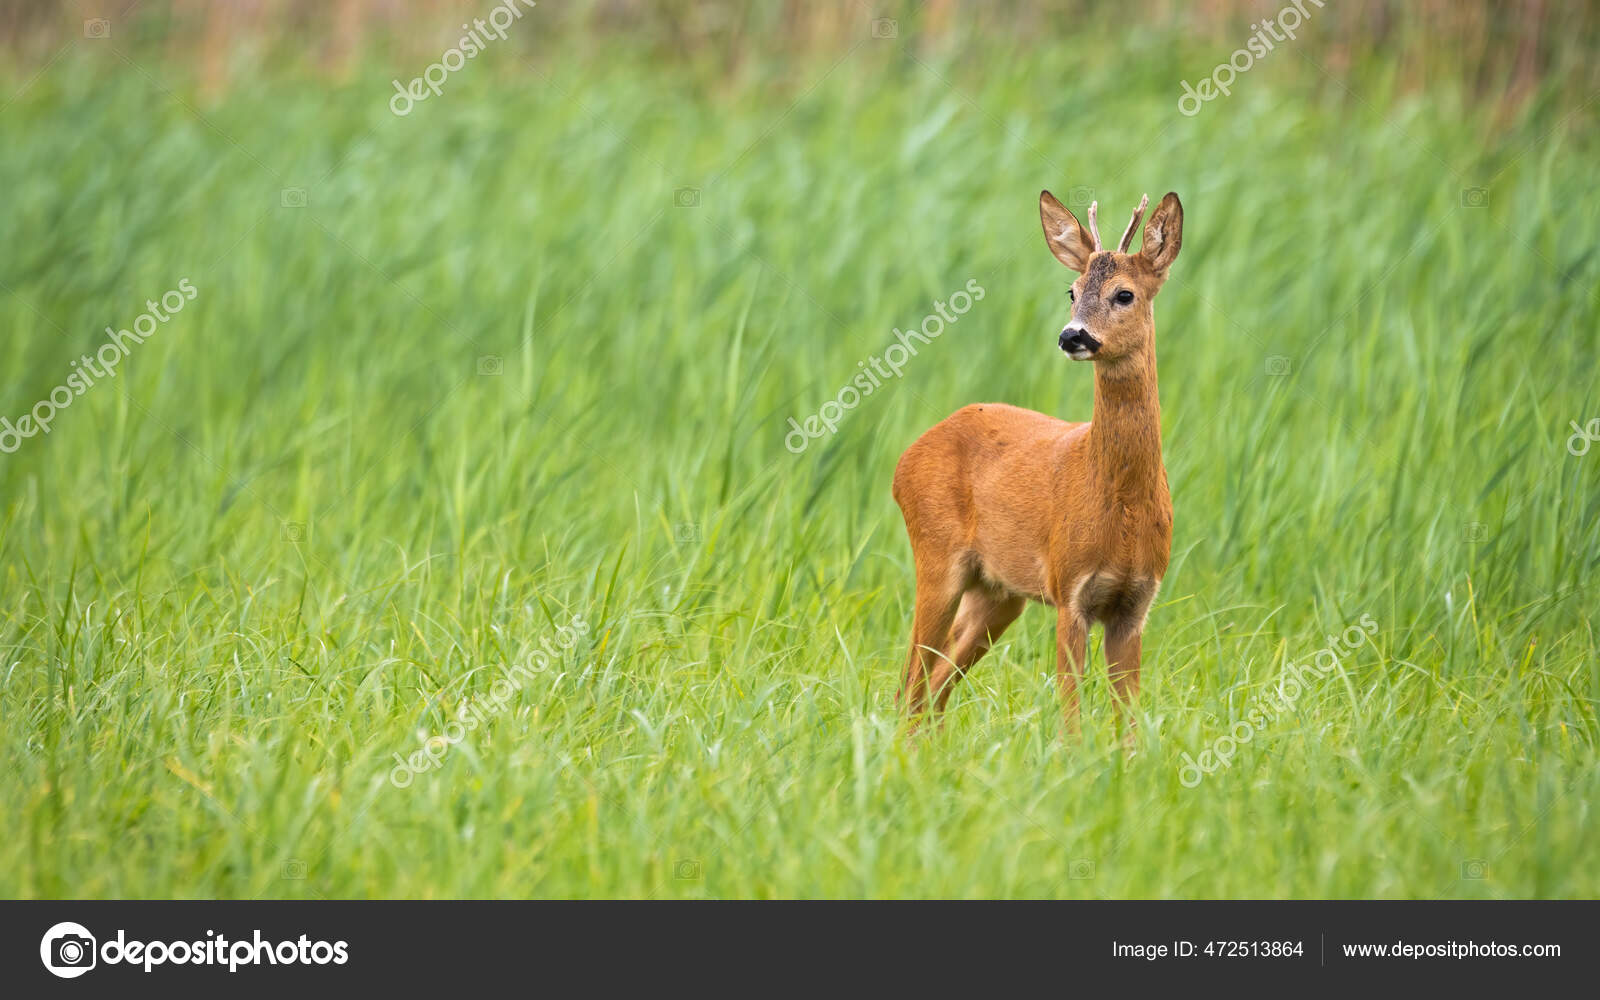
1078 340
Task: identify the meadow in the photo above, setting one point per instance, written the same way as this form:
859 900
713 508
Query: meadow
497 393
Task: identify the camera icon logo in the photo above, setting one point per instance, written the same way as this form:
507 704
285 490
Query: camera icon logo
97 27
885 27
686 532
1474 197
1279 364
491 364
292 198
1476 531
686 198
1474 868
68 950
1080 196
1081 868
687 870
294 868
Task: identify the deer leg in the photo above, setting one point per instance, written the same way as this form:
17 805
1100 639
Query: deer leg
930 630
1072 641
983 616
1122 665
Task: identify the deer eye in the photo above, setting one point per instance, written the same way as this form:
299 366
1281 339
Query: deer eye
1124 297
1071 297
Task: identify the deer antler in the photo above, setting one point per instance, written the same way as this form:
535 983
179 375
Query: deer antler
1094 225
1127 237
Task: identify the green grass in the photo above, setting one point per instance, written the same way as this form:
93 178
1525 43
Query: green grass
195 691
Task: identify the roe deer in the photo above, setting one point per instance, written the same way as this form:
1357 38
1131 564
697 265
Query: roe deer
1004 505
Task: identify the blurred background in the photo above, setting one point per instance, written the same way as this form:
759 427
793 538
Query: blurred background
1501 51
480 341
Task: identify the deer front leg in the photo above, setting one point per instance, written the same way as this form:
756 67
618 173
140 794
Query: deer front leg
1122 665
1072 641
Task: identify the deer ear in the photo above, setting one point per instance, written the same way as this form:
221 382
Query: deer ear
1163 234
1066 237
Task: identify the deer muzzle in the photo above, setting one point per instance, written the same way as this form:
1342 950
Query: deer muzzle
1078 344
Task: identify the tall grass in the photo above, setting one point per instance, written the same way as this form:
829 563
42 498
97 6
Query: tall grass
299 529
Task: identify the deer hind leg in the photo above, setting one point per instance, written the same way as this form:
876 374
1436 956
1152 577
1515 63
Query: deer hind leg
939 589
984 615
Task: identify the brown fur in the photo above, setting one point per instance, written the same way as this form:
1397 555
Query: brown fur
1004 505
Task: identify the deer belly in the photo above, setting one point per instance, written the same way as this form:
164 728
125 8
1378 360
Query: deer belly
1013 562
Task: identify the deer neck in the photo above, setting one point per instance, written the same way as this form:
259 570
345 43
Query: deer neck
1125 434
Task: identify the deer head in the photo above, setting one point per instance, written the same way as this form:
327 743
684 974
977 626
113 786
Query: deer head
1112 317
